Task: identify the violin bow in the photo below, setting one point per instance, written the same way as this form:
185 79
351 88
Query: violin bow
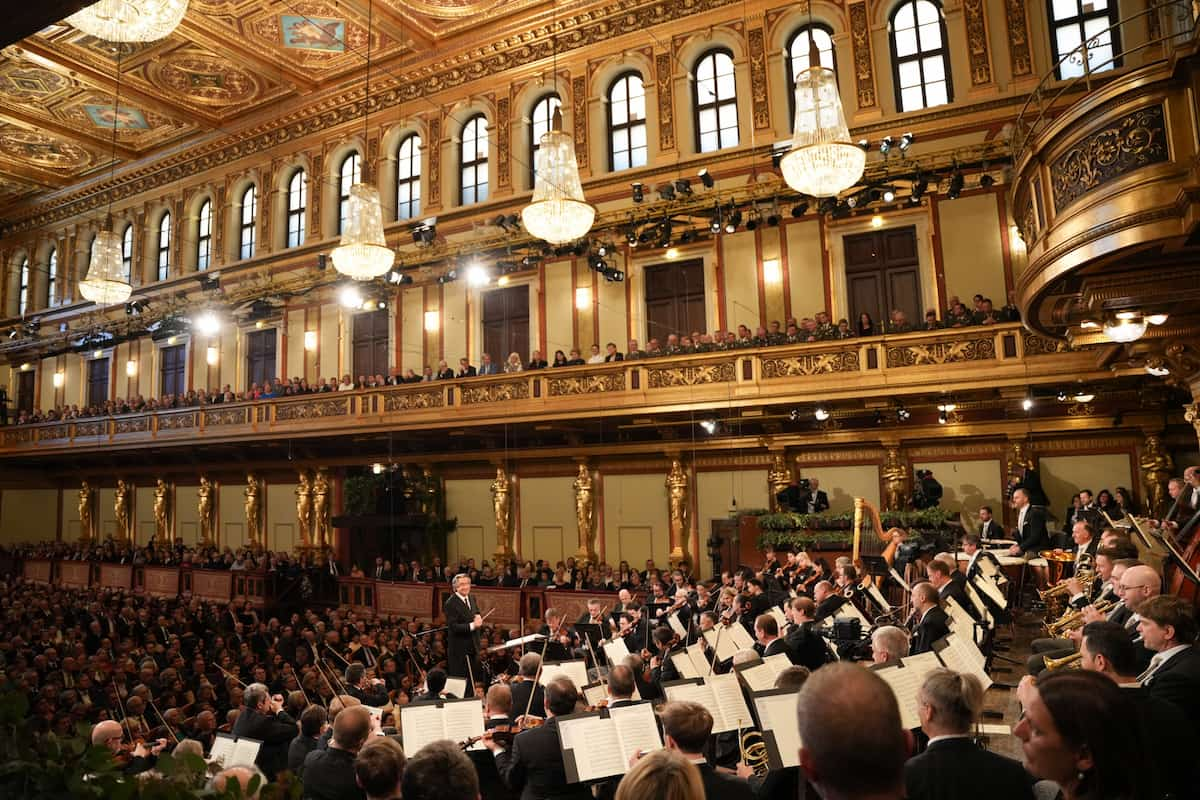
163 719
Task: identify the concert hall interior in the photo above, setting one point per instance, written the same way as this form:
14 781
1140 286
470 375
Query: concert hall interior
720 399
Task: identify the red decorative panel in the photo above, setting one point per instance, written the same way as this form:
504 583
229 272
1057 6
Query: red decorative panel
211 585
404 600
74 574
162 581
116 576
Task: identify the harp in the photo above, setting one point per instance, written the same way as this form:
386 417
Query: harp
875 542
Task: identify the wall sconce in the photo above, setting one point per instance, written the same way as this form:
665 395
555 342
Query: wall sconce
583 297
97 354
433 321
212 355
131 368
26 367
60 378
310 341
772 271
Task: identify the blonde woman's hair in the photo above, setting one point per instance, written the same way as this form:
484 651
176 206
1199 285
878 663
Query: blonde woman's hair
662 775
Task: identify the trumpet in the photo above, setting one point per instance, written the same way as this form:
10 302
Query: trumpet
1074 619
1085 573
1066 662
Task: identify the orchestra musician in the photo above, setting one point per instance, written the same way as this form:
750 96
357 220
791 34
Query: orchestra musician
931 622
559 644
368 691
497 713
135 757
806 646
463 622
766 631
828 602
526 692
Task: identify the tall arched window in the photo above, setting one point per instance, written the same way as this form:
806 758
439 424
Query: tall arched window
715 102
247 225
920 60
1074 21
626 122
349 174
127 252
23 288
473 158
162 263
408 177
543 115
52 278
797 54
297 205
204 236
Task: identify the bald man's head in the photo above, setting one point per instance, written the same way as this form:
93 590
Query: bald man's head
107 734
1141 583
245 775
841 756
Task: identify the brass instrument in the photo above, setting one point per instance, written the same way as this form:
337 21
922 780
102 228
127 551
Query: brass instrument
1074 619
1066 662
754 751
1085 574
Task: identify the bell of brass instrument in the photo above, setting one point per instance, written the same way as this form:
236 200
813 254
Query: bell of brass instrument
1074 619
754 752
1072 661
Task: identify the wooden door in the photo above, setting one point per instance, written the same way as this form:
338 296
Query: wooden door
675 300
883 273
506 323
25 389
97 381
260 357
173 369
370 344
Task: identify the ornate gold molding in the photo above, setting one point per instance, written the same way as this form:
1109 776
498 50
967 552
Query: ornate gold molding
586 384
1019 56
495 392
977 42
980 348
666 103
759 103
503 133
811 364
690 374
579 119
312 409
864 69
435 160
1135 140
407 401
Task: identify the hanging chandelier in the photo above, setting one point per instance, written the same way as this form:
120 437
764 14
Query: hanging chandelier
130 20
558 213
105 282
823 162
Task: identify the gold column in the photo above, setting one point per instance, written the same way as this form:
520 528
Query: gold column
779 477
121 511
204 506
321 508
677 511
502 505
1156 465
1191 412
585 516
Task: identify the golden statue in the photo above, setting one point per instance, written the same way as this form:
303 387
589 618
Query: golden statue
204 506
677 509
895 480
304 500
1157 466
1191 413
161 499
585 516
121 511
502 505
320 505
85 512
779 477
254 536
429 491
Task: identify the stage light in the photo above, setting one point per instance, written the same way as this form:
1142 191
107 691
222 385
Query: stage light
1027 404
477 276
683 187
906 142
903 414
1061 396
709 426
350 297
1084 396
706 179
885 145
986 181
957 181
799 210
889 194
821 414
733 222
207 324
943 417
920 185
1157 319
666 192
638 195
1158 371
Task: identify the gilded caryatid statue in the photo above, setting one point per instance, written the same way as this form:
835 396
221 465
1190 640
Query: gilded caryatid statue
1157 467
1191 413
779 477
121 503
162 495
677 511
204 507
430 490
253 512
502 505
304 504
585 516
895 480
86 530
321 509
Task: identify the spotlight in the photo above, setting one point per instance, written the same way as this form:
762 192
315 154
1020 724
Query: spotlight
631 237
209 283
1084 396
799 210
425 232
735 219
579 249
827 205
920 185
821 414
1158 371
638 196
794 415
906 141
715 224
666 191
498 221
687 237
12 334
448 276
706 179
986 181
753 221
852 200
903 414
350 297
1061 396
683 187
956 185
207 324
864 144
878 417
709 426
1157 319
889 194
603 249
943 418
477 276
773 218
1027 404
885 145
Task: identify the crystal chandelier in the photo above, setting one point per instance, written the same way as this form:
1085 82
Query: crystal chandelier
823 161
558 213
105 283
130 20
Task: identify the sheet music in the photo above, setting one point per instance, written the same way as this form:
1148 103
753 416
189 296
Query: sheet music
637 729
222 747
976 601
730 703
878 597
699 659
689 692
683 664
245 751
758 676
896 576
778 663
575 670
992 590
962 655
462 719
593 694
718 637
850 611
615 651
906 680
780 617
777 715
456 687
677 626
420 725
961 621
741 638
593 745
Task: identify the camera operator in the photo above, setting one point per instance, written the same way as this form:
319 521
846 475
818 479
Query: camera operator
797 496
928 492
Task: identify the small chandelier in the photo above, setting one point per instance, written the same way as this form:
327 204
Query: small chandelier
105 283
130 20
558 213
823 162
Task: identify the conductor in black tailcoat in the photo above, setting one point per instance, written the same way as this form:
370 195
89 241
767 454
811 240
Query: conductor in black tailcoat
463 622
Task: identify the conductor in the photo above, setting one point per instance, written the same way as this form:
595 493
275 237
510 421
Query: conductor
463 622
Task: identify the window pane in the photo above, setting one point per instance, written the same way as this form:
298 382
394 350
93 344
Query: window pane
708 142
1097 29
1065 9
704 72
481 176
639 157
934 69
906 42
619 91
911 99
708 120
727 115
620 160
637 107
725 87
931 36
637 135
619 112
729 137
621 139
1068 39
935 94
910 74
904 17
926 12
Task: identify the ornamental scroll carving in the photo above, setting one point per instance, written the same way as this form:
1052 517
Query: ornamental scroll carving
691 375
977 42
435 161
138 424
666 107
1135 140
495 392
1039 346
1017 24
410 401
174 422
503 131
225 416
318 409
579 119
50 432
915 355
864 70
758 79
811 364
586 384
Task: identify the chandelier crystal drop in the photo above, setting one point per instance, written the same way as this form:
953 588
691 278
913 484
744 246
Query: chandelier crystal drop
823 162
105 284
130 20
558 213
363 253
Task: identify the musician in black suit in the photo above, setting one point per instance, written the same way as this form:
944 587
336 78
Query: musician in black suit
497 710
953 766
558 648
1031 532
463 622
368 692
939 575
1168 627
804 638
262 718
533 766
686 729
932 623
827 599
527 695
766 631
989 526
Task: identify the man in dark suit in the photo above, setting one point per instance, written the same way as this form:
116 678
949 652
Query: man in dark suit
686 728
1031 532
487 367
766 631
953 766
497 711
989 526
533 767
939 575
369 693
819 501
527 694
463 622
262 718
932 622
1168 628
312 725
465 370
828 600
329 773
804 639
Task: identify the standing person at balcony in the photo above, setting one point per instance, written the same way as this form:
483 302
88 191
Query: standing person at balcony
486 367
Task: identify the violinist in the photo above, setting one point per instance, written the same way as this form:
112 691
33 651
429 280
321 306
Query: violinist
497 715
634 630
525 684
594 614
368 691
435 685
559 646
803 637
136 757
621 683
661 667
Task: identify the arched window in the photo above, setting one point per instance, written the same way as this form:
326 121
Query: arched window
920 60
626 122
408 177
1074 21
204 236
162 264
797 54
543 116
349 174
715 102
127 252
473 157
23 288
297 204
52 278
246 228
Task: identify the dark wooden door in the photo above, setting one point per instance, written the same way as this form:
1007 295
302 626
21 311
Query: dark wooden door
370 343
173 369
97 381
25 390
506 323
674 300
260 357
883 273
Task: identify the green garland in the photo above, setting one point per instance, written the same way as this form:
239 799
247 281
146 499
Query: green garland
836 531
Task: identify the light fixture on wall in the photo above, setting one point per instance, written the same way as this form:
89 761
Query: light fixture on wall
583 297
433 321
1125 327
363 253
212 355
772 271
310 341
206 324
877 221
130 20
350 297
131 368
558 213
823 161
477 276
60 378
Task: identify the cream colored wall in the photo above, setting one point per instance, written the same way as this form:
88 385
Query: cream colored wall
454 322
280 517
70 513
1064 476
715 492
548 529
968 484
412 324
635 519
296 360
769 244
28 515
843 484
328 363
559 306
106 518
740 266
972 254
231 519
806 276
610 306
187 516
143 512
470 501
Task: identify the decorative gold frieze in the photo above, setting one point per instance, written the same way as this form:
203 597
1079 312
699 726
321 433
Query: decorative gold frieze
759 105
980 348
811 364
1135 140
666 108
225 416
579 119
691 374
133 424
864 70
1019 55
312 409
171 422
586 384
95 427
19 436
1039 345
408 401
503 126
435 160
977 42
495 392
62 431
